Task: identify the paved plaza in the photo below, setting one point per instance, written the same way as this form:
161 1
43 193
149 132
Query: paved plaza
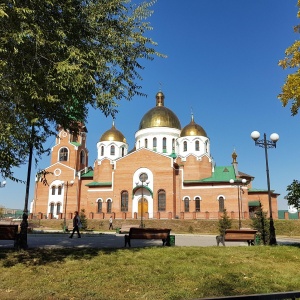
115 240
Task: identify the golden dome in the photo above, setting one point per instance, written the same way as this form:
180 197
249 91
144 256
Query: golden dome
159 116
112 135
193 129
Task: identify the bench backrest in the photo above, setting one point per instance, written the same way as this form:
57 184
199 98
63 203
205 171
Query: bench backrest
8 232
240 234
149 232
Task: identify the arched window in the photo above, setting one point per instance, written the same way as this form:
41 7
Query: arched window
108 206
173 145
146 143
206 146
82 157
112 150
123 151
53 190
124 201
197 148
99 205
154 143
186 204
59 190
197 204
63 154
102 150
161 200
185 146
221 204
51 208
164 145
58 208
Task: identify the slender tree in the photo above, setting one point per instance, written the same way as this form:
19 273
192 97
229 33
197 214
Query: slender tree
261 224
224 223
57 58
293 196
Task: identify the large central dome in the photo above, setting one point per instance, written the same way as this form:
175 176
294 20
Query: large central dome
160 116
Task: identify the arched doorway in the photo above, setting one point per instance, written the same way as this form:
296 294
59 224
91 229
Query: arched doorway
142 202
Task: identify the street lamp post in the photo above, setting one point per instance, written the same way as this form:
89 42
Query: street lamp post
2 184
65 206
264 143
239 186
143 178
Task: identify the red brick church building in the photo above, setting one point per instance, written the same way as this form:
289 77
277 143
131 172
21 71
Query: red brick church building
169 174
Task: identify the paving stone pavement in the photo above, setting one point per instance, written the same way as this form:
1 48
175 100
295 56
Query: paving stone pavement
115 240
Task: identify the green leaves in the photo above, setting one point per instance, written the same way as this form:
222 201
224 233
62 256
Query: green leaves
57 57
293 196
291 88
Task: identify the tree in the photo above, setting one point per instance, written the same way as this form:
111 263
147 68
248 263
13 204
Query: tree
293 196
83 219
290 90
57 59
224 223
261 224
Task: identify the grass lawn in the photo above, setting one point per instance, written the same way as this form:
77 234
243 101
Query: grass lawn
148 273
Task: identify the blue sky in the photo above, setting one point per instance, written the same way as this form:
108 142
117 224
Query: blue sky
223 65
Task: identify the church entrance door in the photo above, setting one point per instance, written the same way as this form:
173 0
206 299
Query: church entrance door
143 207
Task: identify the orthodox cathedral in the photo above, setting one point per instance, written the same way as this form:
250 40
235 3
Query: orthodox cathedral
169 174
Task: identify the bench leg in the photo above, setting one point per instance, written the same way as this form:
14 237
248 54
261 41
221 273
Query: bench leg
250 242
127 240
166 242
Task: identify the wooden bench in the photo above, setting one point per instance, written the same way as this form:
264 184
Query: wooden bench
148 233
125 228
237 235
9 232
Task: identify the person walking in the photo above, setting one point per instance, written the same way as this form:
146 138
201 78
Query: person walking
76 225
111 223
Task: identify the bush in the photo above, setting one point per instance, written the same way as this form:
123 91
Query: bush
224 223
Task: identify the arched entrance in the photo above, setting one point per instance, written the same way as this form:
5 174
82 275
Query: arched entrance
143 206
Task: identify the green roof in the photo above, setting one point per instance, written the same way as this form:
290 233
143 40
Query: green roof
140 186
221 174
89 173
75 144
96 183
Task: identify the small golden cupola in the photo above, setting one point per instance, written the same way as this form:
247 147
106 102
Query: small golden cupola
160 116
193 129
113 135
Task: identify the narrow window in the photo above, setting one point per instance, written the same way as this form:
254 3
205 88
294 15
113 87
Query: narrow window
102 150
161 200
197 146
112 150
221 204
154 143
197 204
146 143
123 151
63 154
164 145
58 207
186 204
109 206
99 206
53 190
51 208
74 138
184 146
173 145
124 201
59 190
82 157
